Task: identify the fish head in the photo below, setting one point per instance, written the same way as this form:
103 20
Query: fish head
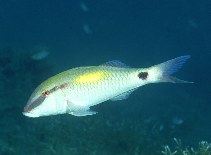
46 100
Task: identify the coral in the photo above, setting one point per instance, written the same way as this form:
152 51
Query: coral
204 148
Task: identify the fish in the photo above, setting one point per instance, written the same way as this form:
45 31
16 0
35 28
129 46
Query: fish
87 29
75 90
84 7
40 55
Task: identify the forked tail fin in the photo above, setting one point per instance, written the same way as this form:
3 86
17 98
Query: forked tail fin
168 68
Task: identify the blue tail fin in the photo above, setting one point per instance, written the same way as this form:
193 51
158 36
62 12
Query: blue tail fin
170 67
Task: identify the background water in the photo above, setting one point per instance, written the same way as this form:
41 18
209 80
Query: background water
75 33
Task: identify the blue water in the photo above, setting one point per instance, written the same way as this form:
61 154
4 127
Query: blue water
141 33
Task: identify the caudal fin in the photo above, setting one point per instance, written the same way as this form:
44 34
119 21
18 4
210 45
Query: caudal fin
168 68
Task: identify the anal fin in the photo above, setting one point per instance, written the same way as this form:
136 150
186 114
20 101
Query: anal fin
82 112
123 96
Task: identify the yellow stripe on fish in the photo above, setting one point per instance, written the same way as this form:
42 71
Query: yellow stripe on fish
91 77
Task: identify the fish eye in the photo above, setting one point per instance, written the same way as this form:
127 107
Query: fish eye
45 93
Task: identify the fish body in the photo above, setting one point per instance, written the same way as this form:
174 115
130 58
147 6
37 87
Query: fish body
76 90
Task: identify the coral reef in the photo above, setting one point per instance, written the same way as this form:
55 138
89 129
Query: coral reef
204 148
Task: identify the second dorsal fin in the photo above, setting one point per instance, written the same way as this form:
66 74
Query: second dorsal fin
115 63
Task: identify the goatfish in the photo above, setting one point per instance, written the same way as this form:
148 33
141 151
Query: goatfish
76 90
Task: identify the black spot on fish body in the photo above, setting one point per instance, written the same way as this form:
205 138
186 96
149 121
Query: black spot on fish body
143 75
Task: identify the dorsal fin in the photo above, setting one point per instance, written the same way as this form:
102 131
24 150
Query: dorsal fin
115 63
